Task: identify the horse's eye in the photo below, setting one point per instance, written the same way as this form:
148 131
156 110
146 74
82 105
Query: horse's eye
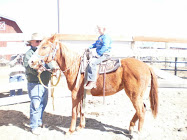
44 47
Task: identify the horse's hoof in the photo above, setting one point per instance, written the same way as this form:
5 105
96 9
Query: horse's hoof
79 128
69 133
131 128
130 132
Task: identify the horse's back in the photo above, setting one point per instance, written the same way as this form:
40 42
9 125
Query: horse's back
135 66
133 62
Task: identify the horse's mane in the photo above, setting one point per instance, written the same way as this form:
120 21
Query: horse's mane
69 58
73 57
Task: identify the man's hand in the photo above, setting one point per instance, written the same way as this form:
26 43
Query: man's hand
41 69
55 70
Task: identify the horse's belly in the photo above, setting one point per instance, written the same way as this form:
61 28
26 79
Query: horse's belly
108 91
113 84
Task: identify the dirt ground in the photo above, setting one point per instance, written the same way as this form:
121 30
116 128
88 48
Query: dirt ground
109 121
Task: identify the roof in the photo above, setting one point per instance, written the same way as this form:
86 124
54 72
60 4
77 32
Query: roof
11 19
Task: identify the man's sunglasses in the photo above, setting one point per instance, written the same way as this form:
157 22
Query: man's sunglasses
38 41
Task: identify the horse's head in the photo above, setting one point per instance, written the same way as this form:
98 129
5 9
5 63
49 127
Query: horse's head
45 52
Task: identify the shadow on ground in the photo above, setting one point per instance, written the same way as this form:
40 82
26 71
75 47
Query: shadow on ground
54 122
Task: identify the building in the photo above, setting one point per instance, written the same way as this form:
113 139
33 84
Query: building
8 26
10 41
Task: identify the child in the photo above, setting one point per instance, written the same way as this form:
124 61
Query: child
103 48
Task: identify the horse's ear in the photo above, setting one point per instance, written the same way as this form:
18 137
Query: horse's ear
53 38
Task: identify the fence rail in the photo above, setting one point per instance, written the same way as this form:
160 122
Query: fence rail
175 69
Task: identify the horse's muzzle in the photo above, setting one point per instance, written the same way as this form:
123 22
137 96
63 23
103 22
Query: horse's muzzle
35 63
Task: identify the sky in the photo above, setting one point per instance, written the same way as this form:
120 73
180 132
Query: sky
122 17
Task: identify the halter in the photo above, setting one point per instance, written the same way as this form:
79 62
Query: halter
53 55
54 48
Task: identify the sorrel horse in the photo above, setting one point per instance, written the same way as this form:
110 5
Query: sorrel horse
133 76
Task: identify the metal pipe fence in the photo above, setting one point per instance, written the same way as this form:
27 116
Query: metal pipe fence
176 69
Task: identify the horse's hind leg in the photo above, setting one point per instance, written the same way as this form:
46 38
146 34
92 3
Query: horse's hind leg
132 123
139 115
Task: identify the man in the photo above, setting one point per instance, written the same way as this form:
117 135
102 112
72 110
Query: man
37 93
103 48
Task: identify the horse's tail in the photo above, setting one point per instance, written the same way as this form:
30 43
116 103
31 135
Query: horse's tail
153 96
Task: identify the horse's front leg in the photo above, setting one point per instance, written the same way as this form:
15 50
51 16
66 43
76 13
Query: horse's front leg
76 100
74 115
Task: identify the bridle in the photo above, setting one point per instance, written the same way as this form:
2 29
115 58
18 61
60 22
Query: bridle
54 49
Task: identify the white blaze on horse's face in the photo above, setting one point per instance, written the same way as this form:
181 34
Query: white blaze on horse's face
41 55
34 62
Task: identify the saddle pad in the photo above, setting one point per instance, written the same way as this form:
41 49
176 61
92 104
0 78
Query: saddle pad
109 66
106 66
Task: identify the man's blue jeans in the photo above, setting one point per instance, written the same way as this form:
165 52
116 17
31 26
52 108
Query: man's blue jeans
92 67
16 78
39 98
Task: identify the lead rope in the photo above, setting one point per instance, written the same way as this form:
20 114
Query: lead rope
52 86
52 93
53 89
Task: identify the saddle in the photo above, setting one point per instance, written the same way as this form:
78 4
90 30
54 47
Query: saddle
107 66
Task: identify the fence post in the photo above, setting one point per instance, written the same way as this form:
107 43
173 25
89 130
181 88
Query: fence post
134 49
166 47
175 65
